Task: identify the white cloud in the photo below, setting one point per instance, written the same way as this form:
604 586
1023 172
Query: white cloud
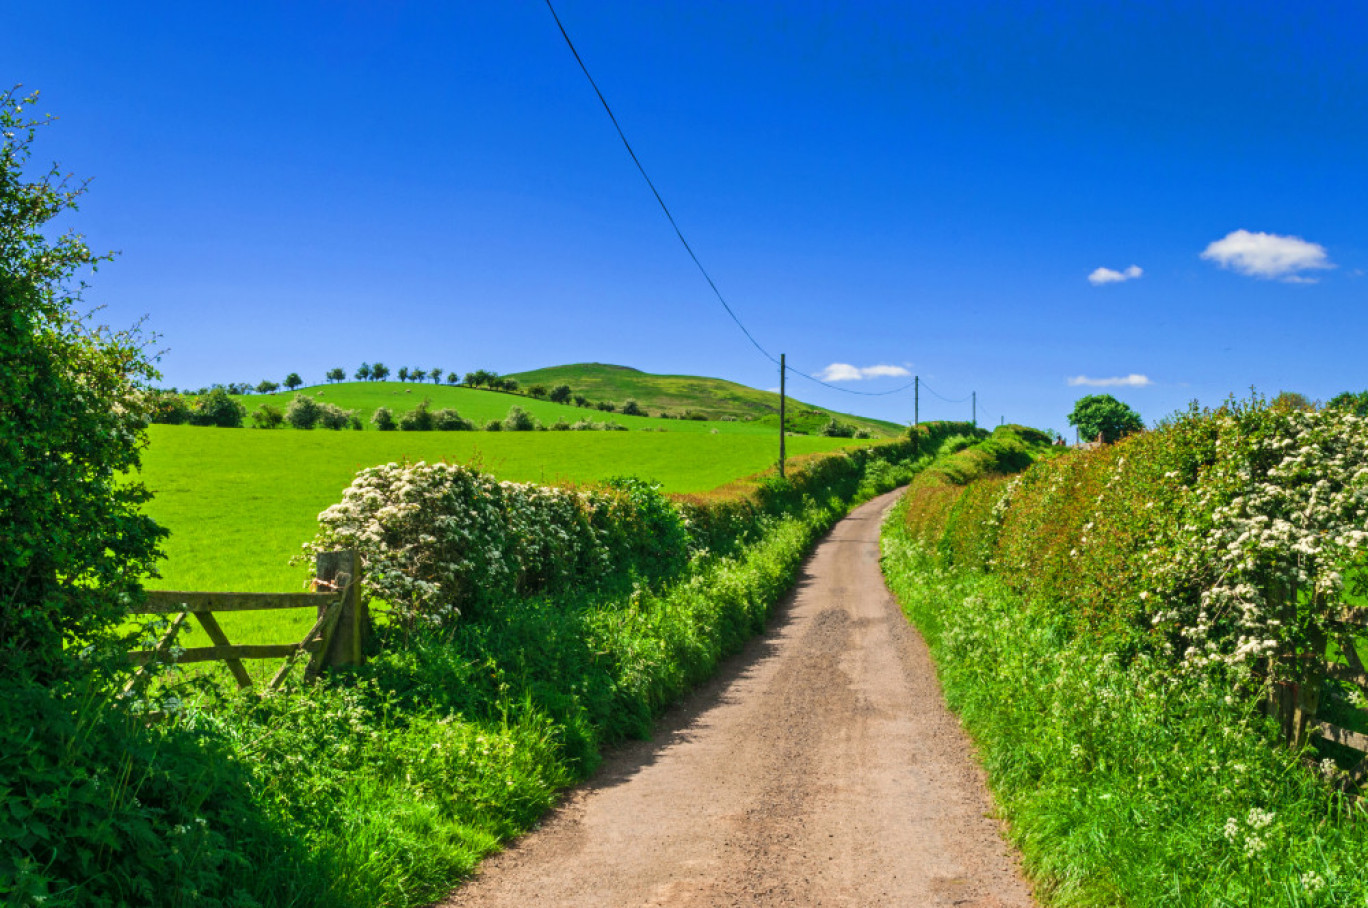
1107 276
847 372
1268 255
1120 381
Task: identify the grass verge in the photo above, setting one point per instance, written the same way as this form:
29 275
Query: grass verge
1124 784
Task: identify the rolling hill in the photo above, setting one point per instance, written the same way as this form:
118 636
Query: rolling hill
713 397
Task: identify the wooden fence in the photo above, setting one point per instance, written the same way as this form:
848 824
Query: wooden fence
338 636
1297 703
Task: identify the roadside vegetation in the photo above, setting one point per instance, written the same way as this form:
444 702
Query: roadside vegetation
1109 623
382 785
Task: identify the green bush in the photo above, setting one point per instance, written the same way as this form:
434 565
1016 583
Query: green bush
631 408
448 420
73 540
303 412
168 408
836 429
331 416
419 419
494 425
218 409
519 420
267 417
383 419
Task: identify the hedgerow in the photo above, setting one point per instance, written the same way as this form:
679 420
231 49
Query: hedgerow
1109 623
384 784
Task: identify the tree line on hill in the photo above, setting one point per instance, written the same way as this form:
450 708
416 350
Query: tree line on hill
212 406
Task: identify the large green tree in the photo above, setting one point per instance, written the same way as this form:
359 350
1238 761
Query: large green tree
73 543
1102 414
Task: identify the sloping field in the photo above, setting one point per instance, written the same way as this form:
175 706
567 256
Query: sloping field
240 502
480 405
712 396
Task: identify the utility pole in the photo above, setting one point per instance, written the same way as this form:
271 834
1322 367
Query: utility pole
782 372
975 396
916 400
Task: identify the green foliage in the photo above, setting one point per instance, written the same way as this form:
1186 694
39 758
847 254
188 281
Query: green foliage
419 419
217 408
338 374
267 387
560 394
303 412
448 420
834 428
538 391
73 541
267 417
1121 782
379 372
519 420
168 408
1103 415
292 381
383 419
631 408
1352 402
363 372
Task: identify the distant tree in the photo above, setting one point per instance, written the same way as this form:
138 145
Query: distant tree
383 419
417 374
363 372
239 387
606 406
435 373
472 379
537 391
338 374
581 400
403 373
1105 415
266 387
293 381
1356 403
560 394
267 417
510 384
379 372
217 408
837 429
452 378
1291 400
631 408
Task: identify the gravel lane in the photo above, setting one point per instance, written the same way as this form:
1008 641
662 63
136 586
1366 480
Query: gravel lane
820 767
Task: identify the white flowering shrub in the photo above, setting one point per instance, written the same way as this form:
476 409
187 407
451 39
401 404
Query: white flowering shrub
438 539
1223 538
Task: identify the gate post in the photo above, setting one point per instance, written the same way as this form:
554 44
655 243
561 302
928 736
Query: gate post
342 571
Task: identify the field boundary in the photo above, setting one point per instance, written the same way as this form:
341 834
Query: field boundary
337 637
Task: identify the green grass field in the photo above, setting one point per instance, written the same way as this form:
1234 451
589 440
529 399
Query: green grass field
480 406
240 502
713 396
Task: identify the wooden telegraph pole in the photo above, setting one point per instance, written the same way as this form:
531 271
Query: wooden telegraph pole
916 400
782 371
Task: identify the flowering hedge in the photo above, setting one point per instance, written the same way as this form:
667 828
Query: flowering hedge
1222 537
439 539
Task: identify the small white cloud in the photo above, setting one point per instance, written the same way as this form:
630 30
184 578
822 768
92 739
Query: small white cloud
1120 381
1268 255
847 372
1108 276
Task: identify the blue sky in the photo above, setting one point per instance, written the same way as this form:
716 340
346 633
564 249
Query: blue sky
296 186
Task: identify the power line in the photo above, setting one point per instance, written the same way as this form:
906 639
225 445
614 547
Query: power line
680 233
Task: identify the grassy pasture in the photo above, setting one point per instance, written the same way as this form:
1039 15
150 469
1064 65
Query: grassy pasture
713 396
239 502
480 406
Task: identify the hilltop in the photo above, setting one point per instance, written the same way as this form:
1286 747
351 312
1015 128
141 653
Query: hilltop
713 397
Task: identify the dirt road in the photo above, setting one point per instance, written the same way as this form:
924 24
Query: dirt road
819 768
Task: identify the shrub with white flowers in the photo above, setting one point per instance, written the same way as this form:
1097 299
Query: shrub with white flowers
437 539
